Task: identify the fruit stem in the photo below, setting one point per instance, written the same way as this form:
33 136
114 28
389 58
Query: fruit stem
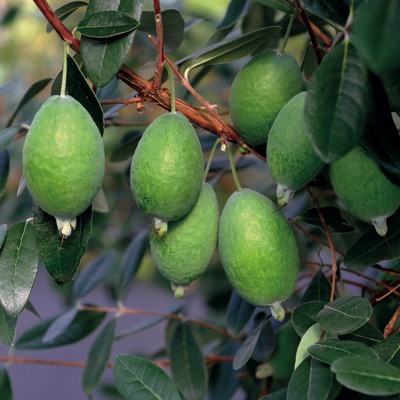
171 88
210 159
288 30
64 71
233 168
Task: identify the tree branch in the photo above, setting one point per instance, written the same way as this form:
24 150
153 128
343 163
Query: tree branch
160 45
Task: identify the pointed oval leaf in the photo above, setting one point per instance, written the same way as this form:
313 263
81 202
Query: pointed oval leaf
98 357
84 323
367 375
59 325
319 289
329 351
337 103
368 334
7 135
3 233
335 10
100 203
4 169
7 328
280 394
321 385
18 267
126 147
299 382
61 257
93 274
389 349
65 11
188 364
345 315
281 5
139 378
238 314
5 385
313 335
305 315
107 24
234 49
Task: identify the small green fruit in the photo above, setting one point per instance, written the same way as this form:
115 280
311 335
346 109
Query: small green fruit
363 189
63 160
184 254
167 168
260 90
291 158
258 249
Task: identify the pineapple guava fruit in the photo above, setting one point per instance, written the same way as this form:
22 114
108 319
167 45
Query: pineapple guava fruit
184 254
260 90
167 168
258 249
291 158
63 160
363 189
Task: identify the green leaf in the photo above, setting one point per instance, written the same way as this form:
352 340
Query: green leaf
305 315
188 364
98 357
103 58
280 394
139 378
329 9
337 103
84 323
126 147
376 27
93 274
18 267
80 90
7 328
3 233
368 334
329 351
238 314
7 135
367 375
319 289
345 315
59 326
107 24
4 169
321 382
60 256
299 382
5 385
131 261
371 248
389 349
282 5
233 49
173 27
332 217
312 336
36 88
65 11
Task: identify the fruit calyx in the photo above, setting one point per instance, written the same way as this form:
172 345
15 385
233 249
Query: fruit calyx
160 227
380 226
179 290
277 311
284 195
65 226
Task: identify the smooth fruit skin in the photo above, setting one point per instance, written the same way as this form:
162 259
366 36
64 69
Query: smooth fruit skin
363 189
258 249
63 158
291 158
260 90
167 168
185 252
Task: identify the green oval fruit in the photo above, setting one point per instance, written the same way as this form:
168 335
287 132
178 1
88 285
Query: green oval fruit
167 168
184 254
258 249
63 160
363 189
260 90
291 158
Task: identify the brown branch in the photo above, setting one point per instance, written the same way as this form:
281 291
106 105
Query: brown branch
121 101
389 328
160 45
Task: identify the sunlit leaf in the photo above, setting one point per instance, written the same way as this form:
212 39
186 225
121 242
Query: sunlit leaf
312 336
7 328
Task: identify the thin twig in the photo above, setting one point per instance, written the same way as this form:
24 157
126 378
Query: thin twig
160 45
389 328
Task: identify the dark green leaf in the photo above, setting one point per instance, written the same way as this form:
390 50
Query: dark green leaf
84 323
321 382
332 217
367 375
305 315
319 289
93 274
98 357
59 326
238 314
30 307
233 49
389 349
126 146
376 27
60 256
7 328
299 382
328 351
103 58
18 267
329 9
368 334
80 90
139 378
36 88
107 24
280 394
173 27
282 5
345 315
371 248
188 364
337 103
4 169
131 260
5 385
7 135
3 233
65 11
